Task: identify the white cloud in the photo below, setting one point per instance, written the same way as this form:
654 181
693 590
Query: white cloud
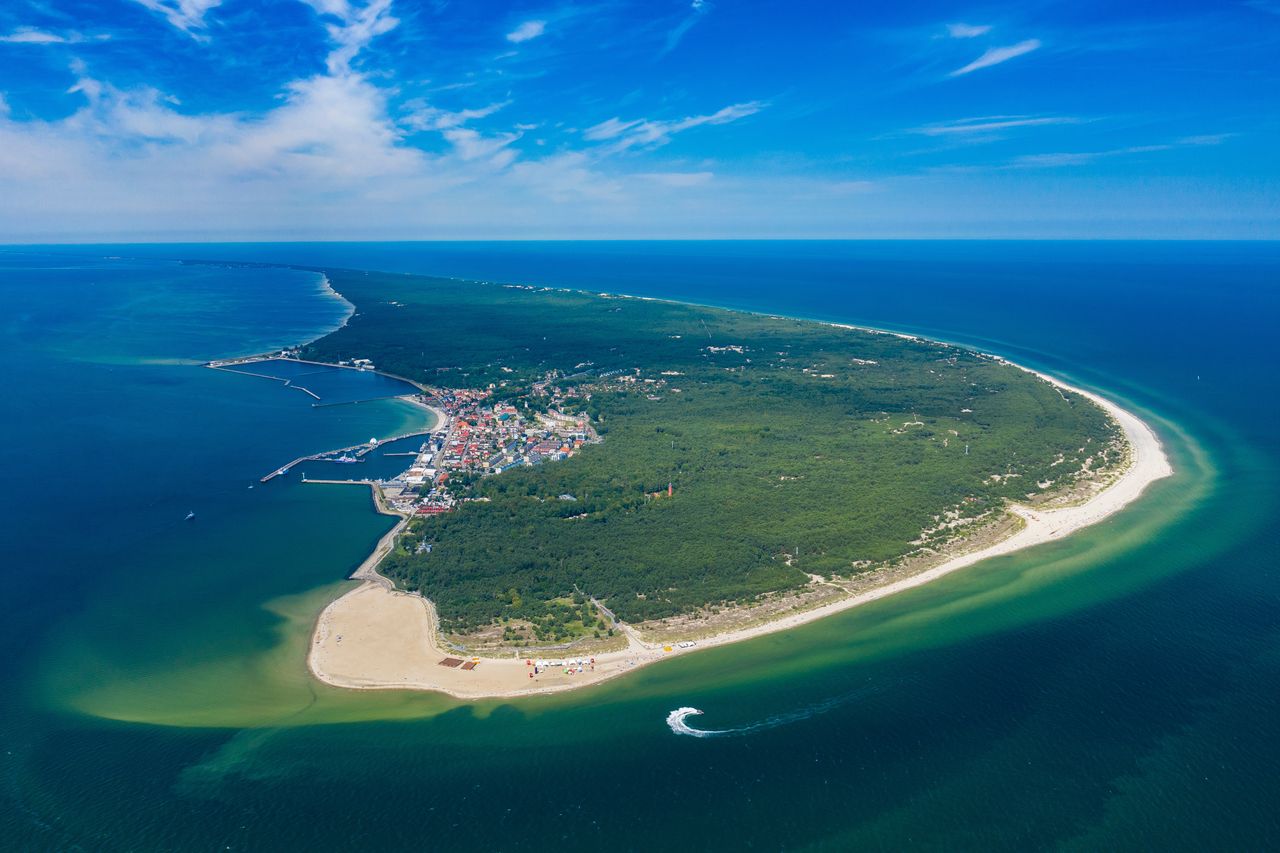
426 117
186 15
967 31
1206 139
332 130
1081 158
678 180
990 124
1063 158
527 31
31 35
997 55
354 29
337 8
651 133
472 145
331 159
567 178
468 144
610 129
700 8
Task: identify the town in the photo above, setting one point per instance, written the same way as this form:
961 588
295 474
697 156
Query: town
478 431
477 436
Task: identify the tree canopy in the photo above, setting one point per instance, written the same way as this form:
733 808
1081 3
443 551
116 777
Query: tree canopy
791 447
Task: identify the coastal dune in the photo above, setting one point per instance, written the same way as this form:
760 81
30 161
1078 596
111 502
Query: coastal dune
375 637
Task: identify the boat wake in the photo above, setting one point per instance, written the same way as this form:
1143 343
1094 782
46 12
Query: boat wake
676 720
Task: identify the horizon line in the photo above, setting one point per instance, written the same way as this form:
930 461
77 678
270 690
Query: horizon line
4 244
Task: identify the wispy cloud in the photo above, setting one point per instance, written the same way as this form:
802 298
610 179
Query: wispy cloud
1206 139
354 28
31 35
468 144
471 145
1082 158
527 31
568 177
997 55
650 133
186 15
422 116
699 10
990 124
678 180
967 31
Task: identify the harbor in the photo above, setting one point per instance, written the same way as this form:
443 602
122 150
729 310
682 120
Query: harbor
343 455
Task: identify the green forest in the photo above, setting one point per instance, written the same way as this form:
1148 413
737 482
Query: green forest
793 448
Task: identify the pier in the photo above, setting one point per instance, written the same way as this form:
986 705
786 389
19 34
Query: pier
236 365
233 367
358 450
230 364
353 402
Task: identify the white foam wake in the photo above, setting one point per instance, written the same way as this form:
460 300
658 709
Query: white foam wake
676 719
676 722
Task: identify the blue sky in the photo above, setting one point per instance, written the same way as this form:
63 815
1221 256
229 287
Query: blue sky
341 119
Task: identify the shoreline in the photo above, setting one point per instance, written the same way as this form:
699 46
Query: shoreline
394 643
402 649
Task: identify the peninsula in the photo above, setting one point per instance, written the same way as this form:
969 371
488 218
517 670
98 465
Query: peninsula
614 481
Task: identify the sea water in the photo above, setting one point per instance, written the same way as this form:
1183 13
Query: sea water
1114 690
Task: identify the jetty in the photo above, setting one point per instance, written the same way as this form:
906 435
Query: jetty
234 364
323 405
357 450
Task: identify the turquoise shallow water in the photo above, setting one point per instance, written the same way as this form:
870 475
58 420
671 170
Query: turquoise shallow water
1116 690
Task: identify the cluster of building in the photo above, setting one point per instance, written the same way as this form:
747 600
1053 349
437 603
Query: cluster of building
478 437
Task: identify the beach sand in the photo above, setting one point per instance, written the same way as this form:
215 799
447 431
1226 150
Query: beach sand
377 638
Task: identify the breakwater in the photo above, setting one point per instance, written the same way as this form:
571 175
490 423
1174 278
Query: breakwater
357 450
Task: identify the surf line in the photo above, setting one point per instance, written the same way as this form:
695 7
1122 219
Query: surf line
676 720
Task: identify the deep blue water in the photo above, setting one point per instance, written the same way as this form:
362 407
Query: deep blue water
1117 691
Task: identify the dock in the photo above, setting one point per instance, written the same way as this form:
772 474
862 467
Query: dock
358 450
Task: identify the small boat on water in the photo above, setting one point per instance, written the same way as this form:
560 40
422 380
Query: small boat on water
190 515
346 459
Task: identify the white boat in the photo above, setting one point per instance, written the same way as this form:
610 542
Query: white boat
190 515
